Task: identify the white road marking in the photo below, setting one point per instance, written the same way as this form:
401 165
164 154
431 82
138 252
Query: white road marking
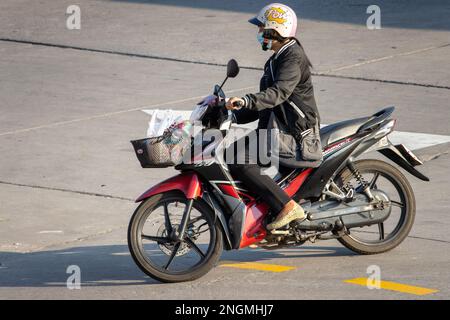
412 140
109 114
416 140
185 114
120 254
381 59
68 252
50 231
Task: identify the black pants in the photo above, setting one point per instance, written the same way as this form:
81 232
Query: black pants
250 173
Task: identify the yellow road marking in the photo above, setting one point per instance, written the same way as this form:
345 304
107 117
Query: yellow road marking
258 266
394 286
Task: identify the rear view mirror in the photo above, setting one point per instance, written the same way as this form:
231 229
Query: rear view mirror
232 68
219 92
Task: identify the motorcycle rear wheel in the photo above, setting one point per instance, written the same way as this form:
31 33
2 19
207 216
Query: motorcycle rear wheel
406 204
147 247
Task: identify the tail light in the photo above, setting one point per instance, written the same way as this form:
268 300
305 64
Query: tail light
385 129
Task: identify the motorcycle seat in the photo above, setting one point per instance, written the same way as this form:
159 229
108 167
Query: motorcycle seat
328 135
340 130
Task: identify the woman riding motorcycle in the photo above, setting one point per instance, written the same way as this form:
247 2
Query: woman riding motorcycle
286 91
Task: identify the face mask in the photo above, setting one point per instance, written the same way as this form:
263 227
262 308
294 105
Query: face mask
265 44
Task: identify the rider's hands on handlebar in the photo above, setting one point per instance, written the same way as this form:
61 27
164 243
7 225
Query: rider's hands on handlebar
234 103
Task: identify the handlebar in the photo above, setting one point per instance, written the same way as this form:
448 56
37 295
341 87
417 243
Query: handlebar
221 104
238 104
217 115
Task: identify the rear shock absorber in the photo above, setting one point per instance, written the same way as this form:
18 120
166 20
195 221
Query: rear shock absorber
358 176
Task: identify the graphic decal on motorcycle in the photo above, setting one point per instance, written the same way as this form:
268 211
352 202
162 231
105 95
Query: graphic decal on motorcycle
337 146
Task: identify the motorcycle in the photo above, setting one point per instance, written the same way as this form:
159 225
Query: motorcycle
182 225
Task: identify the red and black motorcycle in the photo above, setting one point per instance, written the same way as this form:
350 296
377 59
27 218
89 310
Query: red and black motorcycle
182 224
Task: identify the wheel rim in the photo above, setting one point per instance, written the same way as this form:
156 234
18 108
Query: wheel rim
154 237
386 231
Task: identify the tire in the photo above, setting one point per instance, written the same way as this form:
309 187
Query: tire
409 212
136 248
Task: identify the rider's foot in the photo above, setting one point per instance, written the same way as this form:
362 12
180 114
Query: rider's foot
294 212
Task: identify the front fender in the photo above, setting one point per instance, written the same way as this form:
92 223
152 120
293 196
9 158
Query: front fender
186 182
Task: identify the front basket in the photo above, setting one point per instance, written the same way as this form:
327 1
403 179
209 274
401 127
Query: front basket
153 152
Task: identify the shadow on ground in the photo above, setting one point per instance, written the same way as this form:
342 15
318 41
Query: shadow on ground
112 265
411 14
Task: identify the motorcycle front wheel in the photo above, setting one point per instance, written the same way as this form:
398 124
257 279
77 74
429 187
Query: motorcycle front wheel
153 248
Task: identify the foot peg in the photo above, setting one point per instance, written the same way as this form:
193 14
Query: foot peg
279 232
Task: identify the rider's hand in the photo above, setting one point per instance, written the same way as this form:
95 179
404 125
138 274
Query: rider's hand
230 104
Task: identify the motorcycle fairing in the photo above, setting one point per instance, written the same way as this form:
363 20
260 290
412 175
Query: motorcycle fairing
253 230
295 184
221 217
186 182
256 211
221 187
241 214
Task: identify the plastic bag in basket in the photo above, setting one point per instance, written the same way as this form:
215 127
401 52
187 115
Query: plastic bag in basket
179 140
161 120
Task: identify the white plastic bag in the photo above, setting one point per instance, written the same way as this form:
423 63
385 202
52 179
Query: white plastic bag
160 120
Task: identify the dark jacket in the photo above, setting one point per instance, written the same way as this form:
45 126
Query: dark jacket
285 86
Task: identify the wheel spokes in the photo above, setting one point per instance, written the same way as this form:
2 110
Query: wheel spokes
163 245
195 247
382 182
155 238
381 230
374 180
397 204
172 255
202 225
194 220
167 222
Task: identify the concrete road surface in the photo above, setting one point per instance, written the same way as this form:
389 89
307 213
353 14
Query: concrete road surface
70 101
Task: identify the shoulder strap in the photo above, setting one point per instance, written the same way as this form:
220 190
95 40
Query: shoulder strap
296 109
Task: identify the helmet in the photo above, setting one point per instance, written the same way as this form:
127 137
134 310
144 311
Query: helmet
278 17
260 18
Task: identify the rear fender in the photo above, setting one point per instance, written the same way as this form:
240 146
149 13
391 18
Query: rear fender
404 158
399 154
186 182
